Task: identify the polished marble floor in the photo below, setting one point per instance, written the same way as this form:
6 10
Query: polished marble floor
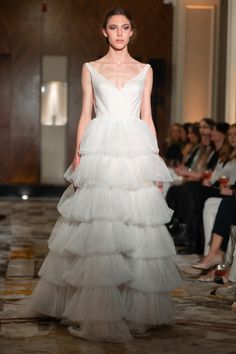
204 323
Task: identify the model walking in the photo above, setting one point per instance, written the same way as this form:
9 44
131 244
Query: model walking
110 269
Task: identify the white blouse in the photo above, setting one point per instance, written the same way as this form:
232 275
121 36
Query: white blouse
227 169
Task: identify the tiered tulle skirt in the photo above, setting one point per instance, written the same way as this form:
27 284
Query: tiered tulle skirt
110 266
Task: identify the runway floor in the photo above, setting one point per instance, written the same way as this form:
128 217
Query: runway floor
204 323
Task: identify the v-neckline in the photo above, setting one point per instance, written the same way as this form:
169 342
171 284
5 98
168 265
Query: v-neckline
111 82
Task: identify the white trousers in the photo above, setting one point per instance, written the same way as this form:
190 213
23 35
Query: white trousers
209 214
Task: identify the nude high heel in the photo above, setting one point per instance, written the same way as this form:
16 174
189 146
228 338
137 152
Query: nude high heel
218 259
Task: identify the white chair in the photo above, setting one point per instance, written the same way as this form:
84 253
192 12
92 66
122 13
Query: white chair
209 214
232 256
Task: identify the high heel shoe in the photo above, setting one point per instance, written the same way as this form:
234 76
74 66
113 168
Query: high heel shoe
218 259
206 279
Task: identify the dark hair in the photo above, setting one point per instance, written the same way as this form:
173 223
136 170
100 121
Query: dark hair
226 149
233 156
185 126
209 121
118 11
194 127
222 127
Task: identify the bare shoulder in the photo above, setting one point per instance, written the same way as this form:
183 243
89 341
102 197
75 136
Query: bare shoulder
85 74
97 63
139 64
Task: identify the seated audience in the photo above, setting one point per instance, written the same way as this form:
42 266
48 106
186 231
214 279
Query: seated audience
191 199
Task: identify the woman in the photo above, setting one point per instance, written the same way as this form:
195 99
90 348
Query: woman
191 149
173 154
190 156
110 268
206 157
184 134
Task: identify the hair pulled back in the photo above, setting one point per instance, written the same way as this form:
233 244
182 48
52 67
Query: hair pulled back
118 11
209 121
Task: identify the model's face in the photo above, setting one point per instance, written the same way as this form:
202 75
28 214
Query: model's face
232 137
118 31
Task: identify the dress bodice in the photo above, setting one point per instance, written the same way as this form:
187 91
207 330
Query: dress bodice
114 102
117 128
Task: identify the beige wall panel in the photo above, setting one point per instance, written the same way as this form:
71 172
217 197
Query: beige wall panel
53 154
230 109
198 72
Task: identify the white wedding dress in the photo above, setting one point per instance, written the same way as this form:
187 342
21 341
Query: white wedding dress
110 266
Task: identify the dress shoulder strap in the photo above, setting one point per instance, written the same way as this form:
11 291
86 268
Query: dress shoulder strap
145 69
89 66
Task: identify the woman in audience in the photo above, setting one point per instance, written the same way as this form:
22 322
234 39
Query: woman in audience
207 154
190 150
173 154
184 134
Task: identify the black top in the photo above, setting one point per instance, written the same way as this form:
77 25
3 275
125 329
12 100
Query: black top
173 154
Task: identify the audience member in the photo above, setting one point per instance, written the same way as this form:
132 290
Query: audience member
190 150
173 154
205 158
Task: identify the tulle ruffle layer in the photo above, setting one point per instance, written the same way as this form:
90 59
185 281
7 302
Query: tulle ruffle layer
157 308
51 299
94 271
152 275
118 171
127 136
109 304
142 207
106 237
107 331
96 304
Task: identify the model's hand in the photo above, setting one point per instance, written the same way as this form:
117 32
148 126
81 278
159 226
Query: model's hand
76 162
159 185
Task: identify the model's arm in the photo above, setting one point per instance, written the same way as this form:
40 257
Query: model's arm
146 111
86 112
